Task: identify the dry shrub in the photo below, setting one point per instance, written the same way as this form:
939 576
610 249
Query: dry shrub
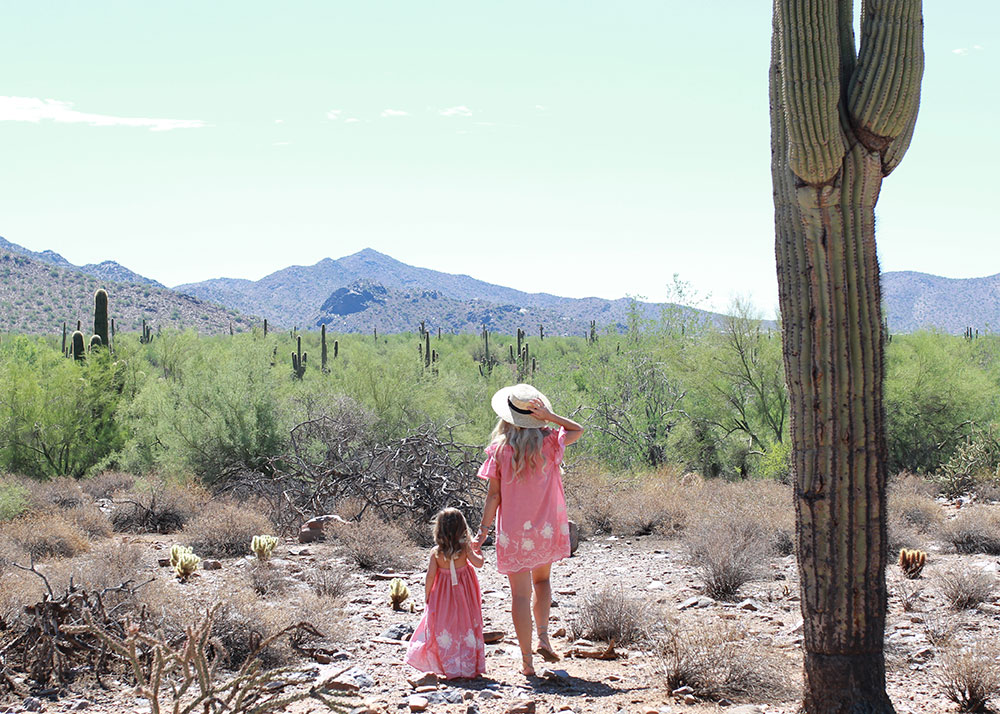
327 581
110 564
939 630
156 507
592 497
910 483
107 484
923 512
966 588
20 588
11 552
742 526
46 536
373 544
974 530
609 615
660 503
64 492
908 591
90 519
716 661
224 529
265 579
903 534
970 677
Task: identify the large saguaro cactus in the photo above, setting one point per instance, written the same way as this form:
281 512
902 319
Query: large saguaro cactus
101 316
840 122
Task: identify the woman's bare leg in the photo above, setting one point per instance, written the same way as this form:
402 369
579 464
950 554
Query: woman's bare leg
520 610
543 604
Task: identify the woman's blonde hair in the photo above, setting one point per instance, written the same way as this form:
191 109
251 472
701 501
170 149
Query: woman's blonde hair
451 532
526 443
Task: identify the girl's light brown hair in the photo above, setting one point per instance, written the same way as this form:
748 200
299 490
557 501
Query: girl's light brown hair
451 532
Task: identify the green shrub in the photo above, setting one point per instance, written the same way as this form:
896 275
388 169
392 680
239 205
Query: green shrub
13 499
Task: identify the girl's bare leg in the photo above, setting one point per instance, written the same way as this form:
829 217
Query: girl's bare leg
543 603
520 610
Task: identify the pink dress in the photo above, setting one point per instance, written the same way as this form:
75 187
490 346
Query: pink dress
532 526
449 639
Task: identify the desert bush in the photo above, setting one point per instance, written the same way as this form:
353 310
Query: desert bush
373 544
327 581
110 564
90 519
14 498
966 588
939 630
106 484
45 536
156 507
970 677
922 511
906 590
903 533
974 530
266 580
660 503
592 497
975 460
715 661
224 529
59 492
610 615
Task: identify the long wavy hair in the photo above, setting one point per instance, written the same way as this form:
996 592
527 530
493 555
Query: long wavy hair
451 532
526 443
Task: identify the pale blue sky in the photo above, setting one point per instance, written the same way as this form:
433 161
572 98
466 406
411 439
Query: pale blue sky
580 148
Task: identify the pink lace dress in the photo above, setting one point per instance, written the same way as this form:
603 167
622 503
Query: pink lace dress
449 639
532 526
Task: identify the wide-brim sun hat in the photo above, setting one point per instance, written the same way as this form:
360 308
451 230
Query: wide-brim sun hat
513 405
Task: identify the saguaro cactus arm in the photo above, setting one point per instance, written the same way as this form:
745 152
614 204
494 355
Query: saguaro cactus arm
808 32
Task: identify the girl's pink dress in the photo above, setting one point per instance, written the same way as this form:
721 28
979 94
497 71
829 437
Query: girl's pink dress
532 526
449 639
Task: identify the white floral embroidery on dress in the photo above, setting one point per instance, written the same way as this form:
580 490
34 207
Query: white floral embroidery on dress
470 638
547 530
527 525
564 527
527 544
502 539
444 640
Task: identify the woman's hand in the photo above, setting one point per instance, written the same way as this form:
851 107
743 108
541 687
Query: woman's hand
540 411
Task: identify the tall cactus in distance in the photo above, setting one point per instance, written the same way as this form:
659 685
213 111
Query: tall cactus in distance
101 316
841 120
322 353
79 348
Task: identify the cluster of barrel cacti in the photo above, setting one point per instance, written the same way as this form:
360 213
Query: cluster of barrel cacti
183 561
912 562
262 546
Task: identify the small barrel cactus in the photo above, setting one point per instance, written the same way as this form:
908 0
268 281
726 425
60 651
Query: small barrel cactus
398 592
912 562
263 545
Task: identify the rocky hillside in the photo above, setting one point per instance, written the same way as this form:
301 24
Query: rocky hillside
107 270
331 291
37 296
917 300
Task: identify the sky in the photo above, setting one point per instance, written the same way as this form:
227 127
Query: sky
573 147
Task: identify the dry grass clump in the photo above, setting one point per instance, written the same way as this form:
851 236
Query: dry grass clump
329 582
110 564
265 579
966 588
107 484
609 615
90 519
660 503
156 507
939 630
974 530
592 497
224 529
908 591
716 661
48 535
923 512
970 677
64 492
374 544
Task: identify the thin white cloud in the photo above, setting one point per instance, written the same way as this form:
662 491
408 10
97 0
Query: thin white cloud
351 120
394 113
539 107
33 109
334 114
965 50
459 111
279 121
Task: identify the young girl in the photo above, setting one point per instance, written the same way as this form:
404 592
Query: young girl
526 497
449 639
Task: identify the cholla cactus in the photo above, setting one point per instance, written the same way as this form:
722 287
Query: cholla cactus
263 545
398 592
176 551
184 562
912 562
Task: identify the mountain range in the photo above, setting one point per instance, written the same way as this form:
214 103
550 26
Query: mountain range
370 290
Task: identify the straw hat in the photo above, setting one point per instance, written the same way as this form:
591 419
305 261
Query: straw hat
513 405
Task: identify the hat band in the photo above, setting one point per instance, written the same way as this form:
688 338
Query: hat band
516 409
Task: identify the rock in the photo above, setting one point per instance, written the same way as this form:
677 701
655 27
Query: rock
472 709
79 705
211 565
574 537
697 601
650 710
654 585
426 688
681 691
749 604
488 694
452 696
690 700
310 535
34 704
163 562
561 632
426 679
398 632
491 637
363 710
555 674
349 680
524 706
417 703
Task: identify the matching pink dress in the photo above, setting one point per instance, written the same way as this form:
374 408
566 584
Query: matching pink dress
532 525
449 639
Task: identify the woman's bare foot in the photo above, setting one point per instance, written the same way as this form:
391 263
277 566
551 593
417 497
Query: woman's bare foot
545 649
527 666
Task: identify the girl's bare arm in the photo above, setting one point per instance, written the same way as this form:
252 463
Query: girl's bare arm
432 569
474 556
